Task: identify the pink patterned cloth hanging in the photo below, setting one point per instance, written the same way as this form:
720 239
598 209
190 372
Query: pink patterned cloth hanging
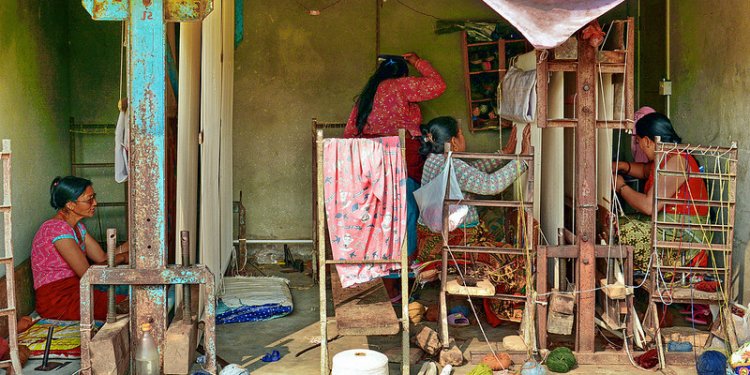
365 190
549 23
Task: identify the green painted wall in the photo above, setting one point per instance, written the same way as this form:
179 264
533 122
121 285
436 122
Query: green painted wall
94 91
711 75
34 103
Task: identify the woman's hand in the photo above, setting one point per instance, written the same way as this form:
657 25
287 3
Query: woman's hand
619 183
124 248
623 166
411 58
122 258
526 142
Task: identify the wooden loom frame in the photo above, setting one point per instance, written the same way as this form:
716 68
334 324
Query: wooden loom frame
528 250
13 365
724 250
587 66
319 238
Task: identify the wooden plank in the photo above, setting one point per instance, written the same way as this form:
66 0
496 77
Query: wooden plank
541 91
681 295
363 309
585 146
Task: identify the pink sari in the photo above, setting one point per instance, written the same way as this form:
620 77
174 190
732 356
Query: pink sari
365 190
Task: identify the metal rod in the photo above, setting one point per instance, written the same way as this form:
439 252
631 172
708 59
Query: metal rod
276 241
187 316
364 261
47 346
111 249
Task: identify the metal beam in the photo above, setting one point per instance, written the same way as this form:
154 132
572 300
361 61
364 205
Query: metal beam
147 84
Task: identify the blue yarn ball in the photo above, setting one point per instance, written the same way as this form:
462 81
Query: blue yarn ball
711 363
533 368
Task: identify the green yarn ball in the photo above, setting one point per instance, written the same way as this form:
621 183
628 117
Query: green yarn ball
561 360
481 369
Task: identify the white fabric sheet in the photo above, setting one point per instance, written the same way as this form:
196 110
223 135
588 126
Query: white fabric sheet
122 144
548 23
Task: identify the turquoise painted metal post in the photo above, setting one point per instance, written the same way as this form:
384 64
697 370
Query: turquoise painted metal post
147 82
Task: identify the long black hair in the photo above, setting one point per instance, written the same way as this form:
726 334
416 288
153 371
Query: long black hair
66 189
393 67
436 134
655 125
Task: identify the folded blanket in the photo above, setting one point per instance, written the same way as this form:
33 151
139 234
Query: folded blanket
250 299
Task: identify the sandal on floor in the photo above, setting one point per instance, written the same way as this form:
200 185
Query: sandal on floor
271 357
457 320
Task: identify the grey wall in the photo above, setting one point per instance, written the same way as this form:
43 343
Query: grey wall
711 75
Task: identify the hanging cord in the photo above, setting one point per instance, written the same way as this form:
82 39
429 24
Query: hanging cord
120 104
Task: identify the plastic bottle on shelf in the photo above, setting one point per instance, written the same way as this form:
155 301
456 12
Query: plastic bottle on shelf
146 353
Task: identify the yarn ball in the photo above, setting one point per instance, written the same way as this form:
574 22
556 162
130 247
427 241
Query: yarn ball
416 311
533 367
502 361
711 363
481 369
561 360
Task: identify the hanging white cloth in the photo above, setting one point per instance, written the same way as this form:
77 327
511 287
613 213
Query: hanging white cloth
548 23
517 96
122 145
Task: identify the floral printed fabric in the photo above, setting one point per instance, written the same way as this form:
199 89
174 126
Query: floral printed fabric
364 187
395 104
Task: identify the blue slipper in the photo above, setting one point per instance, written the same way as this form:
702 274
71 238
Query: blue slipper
271 357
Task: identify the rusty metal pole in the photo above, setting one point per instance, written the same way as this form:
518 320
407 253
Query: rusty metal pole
111 248
585 143
147 92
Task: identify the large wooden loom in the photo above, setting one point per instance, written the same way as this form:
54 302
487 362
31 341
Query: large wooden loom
600 106
364 309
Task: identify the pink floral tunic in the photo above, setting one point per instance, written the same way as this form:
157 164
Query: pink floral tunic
47 265
364 189
395 104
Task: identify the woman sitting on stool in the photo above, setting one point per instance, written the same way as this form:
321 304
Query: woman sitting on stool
63 250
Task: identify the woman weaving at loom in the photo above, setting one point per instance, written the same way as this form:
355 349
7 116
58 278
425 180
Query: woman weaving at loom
62 250
637 231
484 177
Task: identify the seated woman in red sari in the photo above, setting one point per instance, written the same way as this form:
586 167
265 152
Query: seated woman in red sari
63 250
637 231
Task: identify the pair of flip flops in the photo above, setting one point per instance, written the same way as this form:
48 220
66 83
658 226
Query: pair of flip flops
271 357
457 320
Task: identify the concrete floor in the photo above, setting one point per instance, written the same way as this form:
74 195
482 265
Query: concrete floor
246 343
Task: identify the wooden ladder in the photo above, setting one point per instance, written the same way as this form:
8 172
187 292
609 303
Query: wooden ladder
717 250
526 247
9 310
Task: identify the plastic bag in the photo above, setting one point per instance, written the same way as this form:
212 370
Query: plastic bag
430 198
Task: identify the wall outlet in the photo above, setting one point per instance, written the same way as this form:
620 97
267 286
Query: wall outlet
665 87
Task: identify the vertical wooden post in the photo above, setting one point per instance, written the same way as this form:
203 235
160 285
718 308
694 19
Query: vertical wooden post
444 338
585 142
404 272
321 237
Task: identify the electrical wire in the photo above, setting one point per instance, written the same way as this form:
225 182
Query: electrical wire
416 10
